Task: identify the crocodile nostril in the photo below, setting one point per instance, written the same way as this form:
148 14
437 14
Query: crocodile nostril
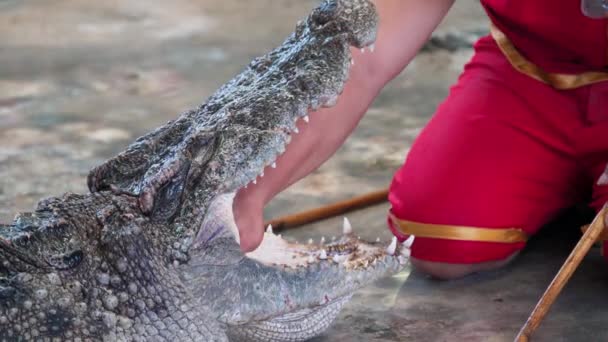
67 260
324 13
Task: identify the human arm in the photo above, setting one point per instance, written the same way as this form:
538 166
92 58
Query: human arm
405 25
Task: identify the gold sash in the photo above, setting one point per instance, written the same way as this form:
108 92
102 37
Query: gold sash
556 80
448 232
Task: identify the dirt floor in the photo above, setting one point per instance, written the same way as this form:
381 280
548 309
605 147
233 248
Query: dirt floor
81 79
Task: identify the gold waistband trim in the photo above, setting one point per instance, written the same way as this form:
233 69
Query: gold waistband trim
448 232
556 80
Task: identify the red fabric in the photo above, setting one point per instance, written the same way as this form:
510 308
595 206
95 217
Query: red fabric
555 35
503 150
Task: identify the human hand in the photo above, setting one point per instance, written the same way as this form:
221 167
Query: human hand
247 211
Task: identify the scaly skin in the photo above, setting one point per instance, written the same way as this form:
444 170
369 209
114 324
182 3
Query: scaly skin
151 253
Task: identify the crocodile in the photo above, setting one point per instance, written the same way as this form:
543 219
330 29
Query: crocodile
151 252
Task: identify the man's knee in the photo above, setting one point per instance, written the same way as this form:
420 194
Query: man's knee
443 252
442 270
447 271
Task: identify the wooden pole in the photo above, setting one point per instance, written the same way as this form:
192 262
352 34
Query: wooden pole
563 275
331 210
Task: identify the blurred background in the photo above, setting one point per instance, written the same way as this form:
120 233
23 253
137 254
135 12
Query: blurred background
80 80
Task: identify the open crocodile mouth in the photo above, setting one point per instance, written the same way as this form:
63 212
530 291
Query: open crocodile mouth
346 254
348 250
256 170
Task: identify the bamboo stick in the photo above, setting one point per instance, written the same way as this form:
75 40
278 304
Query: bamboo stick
563 275
331 210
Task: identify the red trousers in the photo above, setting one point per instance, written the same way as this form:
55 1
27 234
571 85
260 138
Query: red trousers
503 150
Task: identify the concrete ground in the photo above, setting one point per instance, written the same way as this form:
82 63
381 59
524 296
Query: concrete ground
79 80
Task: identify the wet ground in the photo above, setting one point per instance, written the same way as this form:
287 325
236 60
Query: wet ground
80 79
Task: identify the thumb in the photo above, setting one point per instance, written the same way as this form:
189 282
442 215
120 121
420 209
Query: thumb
249 222
251 232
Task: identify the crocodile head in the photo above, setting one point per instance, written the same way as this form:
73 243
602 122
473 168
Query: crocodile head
152 252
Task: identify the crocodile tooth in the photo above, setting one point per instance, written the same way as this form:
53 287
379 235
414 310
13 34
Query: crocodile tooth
269 229
322 239
339 258
323 255
408 242
296 130
390 250
310 241
331 101
372 47
273 165
306 118
346 227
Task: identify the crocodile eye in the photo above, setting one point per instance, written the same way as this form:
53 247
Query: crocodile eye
66 261
7 292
